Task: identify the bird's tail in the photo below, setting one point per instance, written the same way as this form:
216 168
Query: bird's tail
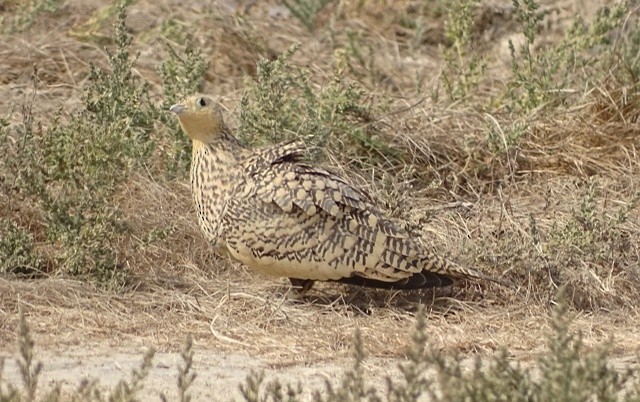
445 276
420 280
451 269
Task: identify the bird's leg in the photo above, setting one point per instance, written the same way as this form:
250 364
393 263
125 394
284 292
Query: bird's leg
302 286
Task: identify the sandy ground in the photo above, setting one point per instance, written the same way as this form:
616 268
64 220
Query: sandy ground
219 374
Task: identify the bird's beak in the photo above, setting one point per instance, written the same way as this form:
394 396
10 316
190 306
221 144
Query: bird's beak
177 108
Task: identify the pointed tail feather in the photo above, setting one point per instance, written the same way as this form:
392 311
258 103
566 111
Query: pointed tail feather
454 270
422 280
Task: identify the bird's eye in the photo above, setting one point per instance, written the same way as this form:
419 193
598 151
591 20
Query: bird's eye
202 102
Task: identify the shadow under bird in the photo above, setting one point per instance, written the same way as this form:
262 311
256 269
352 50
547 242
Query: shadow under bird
274 213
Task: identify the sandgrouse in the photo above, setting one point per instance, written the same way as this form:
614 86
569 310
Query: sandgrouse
274 213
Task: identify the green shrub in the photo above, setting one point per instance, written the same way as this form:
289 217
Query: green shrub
26 13
588 250
75 169
17 251
502 140
282 104
306 10
549 76
83 163
566 371
464 66
591 232
87 389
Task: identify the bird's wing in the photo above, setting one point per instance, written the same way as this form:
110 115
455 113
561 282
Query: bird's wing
280 177
291 219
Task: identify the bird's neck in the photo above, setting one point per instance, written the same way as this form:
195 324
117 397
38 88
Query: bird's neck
215 170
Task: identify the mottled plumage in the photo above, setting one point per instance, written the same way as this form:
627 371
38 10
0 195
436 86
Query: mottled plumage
272 212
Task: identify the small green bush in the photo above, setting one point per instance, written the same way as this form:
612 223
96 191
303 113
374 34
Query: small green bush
87 389
26 13
306 10
594 242
17 250
464 66
282 104
567 371
75 169
547 77
592 232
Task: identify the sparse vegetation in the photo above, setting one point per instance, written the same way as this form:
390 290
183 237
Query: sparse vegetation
464 66
282 104
306 10
26 13
17 254
565 372
546 77
525 169
74 170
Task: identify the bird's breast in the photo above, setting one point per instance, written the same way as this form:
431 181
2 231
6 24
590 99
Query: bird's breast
214 176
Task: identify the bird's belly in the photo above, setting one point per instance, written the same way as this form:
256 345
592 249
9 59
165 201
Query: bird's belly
292 268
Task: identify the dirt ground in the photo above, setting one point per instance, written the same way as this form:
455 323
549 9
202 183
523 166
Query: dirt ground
241 321
219 374
88 334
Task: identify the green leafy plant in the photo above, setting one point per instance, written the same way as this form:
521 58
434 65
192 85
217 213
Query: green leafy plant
282 104
30 371
17 251
464 66
306 10
545 77
74 169
352 387
186 375
567 371
26 13
414 382
504 139
594 235
88 389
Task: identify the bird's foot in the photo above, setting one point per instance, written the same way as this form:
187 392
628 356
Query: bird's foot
301 287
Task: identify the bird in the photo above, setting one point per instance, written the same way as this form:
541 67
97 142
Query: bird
278 215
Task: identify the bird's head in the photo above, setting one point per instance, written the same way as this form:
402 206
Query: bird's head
200 117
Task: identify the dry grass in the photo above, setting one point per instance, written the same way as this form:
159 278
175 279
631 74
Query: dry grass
261 319
473 180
